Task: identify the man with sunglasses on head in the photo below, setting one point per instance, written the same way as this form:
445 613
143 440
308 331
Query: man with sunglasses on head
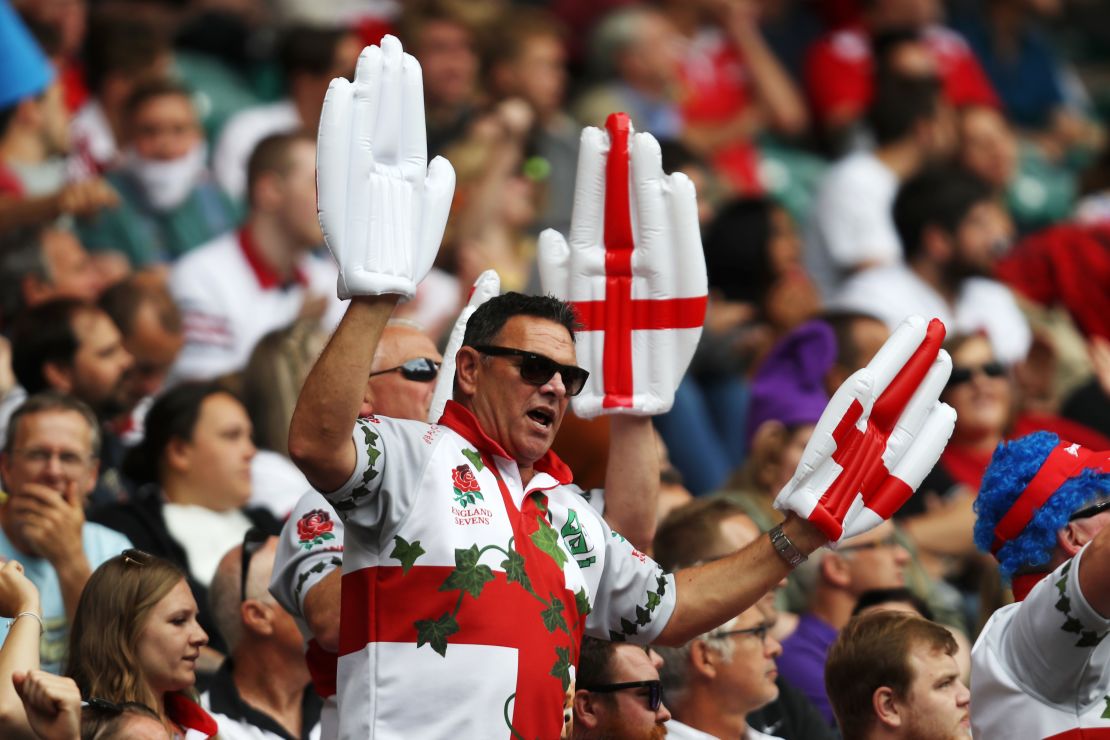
1041 666
472 563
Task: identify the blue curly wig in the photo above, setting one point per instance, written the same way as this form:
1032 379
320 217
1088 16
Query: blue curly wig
1012 466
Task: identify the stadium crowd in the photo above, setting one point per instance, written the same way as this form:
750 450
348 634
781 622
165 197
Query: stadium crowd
835 464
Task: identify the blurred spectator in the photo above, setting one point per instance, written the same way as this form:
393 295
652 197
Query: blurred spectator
703 531
952 230
49 466
441 38
987 146
39 264
170 202
858 337
839 68
122 51
859 564
263 689
1040 665
893 675
617 693
733 87
136 639
67 22
310 58
235 289
152 331
634 62
193 467
1039 91
852 227
1090 403
34 136
528 61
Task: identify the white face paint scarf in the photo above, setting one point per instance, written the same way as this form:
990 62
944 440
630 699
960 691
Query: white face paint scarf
167 183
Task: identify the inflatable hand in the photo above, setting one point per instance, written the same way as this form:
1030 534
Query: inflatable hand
881 433
634 270
485 287
382 209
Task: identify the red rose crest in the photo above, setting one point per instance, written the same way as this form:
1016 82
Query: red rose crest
315 528
465 483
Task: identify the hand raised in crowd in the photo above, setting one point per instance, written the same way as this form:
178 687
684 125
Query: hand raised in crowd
52 703
51 522
87 197
17 592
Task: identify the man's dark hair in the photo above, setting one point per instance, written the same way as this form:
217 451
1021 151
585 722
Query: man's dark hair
595 662
148 91
516 28
7 115
492 315
901 595
52 401
901 102
173 416
885 43
691 533
119 43
21 256
940 197
736 254
272 155
309 50
123 301
43 335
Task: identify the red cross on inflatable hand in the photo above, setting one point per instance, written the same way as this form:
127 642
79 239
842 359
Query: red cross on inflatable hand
881 433
634 270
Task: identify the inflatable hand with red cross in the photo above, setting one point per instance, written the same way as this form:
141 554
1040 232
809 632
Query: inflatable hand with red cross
880 435
633 268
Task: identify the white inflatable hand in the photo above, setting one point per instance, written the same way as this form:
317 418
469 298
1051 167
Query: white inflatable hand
382 208
880 435
485 287
634 270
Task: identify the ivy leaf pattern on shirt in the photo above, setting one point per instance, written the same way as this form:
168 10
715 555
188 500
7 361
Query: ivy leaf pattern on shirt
513 566
474 458
435 632
469 575
1087 638
547 540
405 552
553 616
561 669
582 602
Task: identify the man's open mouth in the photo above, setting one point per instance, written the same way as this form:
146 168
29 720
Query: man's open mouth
543 417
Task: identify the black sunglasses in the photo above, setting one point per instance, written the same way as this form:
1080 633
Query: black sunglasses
253 541
654 687
537 369
1090 511
420 370
961 375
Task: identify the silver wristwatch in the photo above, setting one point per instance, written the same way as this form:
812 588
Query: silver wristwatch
785 548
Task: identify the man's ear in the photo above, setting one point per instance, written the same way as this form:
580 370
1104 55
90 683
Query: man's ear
367 407
834 569
35 290
703 659
586 709
1071 539
467 362
257 617
885 704
178 454
58 377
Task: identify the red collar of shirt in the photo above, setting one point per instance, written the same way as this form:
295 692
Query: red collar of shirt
190 715
1023 584
267 277
459 419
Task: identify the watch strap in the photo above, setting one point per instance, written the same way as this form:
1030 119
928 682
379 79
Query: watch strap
785 548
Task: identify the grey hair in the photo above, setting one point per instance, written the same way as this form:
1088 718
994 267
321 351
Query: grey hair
21 255
223 593
675 673
53 401
613 35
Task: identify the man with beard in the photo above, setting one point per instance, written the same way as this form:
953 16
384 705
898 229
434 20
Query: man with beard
952 231
72 347
170 202
618 694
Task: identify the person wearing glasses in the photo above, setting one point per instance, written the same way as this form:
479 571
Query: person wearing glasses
618 694
1041 666
835 580
49 467
262 691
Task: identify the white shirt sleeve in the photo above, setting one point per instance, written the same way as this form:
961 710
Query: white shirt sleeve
309 548
210 343
1055 646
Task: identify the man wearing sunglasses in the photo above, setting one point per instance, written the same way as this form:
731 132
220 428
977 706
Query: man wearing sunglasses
618 694
1041 666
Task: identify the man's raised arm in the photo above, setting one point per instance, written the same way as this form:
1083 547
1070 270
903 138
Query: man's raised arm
382 210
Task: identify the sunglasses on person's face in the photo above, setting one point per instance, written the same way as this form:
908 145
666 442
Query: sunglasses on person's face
419 370
654 690
537 369
253 541
961 375
1090 511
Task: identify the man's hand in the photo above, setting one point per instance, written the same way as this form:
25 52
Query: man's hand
17 593
52 703
51 522
634 270
881 433
485 287
87 197
382 208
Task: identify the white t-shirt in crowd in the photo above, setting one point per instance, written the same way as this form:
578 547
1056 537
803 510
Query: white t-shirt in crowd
241 134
